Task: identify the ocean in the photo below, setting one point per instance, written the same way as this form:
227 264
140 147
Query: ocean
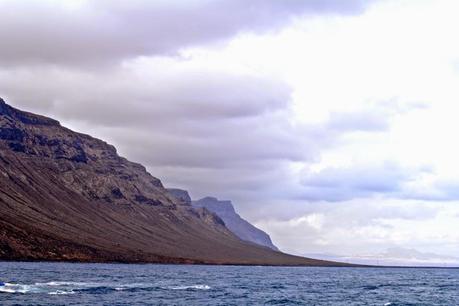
120 284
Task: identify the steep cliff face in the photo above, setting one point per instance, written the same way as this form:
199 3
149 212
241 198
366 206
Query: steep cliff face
233 221
69 196
180 194
86 165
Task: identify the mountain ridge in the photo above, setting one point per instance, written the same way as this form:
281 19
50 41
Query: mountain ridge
67 196
233 221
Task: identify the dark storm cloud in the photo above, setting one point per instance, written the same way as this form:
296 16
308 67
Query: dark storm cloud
94 32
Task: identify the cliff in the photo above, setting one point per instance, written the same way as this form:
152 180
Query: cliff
68 196
233 221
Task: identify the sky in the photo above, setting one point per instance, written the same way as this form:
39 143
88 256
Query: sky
330 124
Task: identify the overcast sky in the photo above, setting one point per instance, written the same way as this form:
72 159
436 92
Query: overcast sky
331 124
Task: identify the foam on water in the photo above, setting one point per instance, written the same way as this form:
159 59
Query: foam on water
64 287
61 292
134 285
56 283
17 288
192 287
67 287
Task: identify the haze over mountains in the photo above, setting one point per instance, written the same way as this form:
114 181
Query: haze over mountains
242 228
225 210
69 196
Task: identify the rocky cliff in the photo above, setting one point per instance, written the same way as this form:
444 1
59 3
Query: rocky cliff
69 196
181 195
233 221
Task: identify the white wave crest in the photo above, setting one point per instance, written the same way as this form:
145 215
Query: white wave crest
61 292
192 287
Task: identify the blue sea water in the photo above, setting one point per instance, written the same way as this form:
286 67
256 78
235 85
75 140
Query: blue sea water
118 284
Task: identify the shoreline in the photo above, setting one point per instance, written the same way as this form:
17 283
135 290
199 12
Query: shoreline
339 265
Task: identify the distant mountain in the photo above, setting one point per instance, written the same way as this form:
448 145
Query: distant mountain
180 194
69 196
225 210
242 228
395 256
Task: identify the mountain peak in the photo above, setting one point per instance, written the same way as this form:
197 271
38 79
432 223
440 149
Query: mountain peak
3 105
25 117
215 204
180 194
233 221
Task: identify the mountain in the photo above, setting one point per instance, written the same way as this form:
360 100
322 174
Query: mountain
69 196
180 194
240 227
225 210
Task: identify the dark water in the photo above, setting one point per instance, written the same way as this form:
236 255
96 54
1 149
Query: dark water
104 284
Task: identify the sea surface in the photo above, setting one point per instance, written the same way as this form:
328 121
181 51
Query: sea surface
119 284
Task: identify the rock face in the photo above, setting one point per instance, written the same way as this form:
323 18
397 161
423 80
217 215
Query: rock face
240 227
69 196
233 221
180 194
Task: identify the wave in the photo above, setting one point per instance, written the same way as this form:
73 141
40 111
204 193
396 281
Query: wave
284 301
16 288
192 287
61 292
63 284
66 287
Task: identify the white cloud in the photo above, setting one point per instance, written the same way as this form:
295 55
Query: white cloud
360 227
299 108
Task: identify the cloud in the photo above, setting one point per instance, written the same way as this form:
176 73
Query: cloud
358 181
112 68
125 96
409 254
290 115
387 179
438 190
95 32
175 116
204 129
367 120
365 226
396 256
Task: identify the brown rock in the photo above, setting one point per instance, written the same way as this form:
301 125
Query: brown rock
68 196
